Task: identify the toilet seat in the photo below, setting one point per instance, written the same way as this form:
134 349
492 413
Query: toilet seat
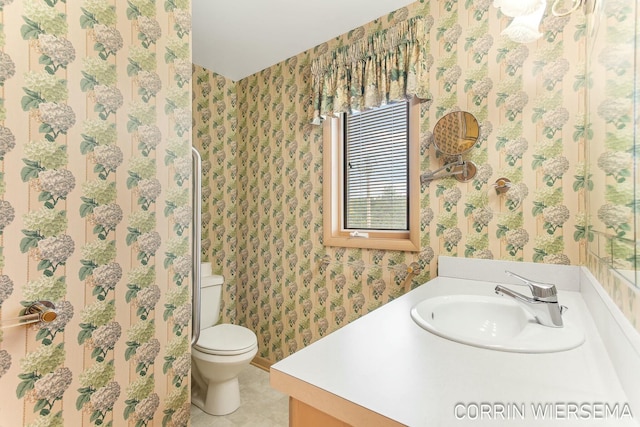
226 340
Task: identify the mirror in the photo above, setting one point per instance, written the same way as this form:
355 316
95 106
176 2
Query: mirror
455 134
612 179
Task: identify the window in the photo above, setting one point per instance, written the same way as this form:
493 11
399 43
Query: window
376 172
371 179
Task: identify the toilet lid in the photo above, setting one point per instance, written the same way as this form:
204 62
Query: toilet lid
226 340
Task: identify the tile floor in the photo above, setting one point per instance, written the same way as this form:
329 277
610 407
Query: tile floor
261 406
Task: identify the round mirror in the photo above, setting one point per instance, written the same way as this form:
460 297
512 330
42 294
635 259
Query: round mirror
456 133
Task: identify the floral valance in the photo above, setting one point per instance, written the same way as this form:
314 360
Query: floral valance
384 67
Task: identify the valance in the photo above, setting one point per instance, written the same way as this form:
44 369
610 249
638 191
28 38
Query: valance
385 67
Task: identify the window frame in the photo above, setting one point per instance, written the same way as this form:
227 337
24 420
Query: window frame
334 233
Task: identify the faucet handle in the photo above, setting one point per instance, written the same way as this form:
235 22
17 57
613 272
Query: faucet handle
539 290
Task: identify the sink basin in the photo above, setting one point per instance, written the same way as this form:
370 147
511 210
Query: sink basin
495 323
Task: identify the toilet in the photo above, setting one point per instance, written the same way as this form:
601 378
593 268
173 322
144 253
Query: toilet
220 354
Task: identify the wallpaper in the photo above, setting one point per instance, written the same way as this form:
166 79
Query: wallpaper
530 101
215 118
95 168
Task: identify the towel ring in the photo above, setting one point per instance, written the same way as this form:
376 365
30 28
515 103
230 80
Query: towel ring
556 12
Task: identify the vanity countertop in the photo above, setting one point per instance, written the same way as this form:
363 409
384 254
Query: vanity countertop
385 363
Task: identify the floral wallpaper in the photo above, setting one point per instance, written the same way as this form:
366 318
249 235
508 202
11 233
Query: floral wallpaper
530 100
215 113
95 130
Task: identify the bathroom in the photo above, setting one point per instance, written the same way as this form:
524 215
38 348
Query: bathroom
117 220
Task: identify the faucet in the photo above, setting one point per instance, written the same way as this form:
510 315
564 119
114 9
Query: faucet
544 304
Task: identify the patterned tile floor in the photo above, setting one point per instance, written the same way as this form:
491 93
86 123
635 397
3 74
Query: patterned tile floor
261 406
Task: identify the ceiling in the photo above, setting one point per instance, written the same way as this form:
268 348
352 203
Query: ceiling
241 37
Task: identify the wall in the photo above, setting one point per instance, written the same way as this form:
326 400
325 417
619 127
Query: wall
530 101
215 136
94 211
613 124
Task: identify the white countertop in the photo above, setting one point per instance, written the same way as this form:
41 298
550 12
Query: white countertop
386 363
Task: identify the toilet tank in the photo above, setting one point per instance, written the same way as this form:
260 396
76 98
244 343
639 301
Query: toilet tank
211 294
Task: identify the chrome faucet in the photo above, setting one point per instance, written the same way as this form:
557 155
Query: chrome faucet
544 304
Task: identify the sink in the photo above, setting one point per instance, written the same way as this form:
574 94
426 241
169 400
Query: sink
494 323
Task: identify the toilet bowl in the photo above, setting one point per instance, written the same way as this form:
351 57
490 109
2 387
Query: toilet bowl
220 354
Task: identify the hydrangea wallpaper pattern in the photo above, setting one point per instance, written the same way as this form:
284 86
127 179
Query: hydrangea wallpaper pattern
94 212
263 186
215 111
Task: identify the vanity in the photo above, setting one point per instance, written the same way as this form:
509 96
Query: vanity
383 369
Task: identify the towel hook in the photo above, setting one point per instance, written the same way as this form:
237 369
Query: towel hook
502 185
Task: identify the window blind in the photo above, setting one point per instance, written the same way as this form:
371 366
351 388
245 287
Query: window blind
376 169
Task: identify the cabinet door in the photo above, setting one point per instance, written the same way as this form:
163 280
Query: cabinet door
303 415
